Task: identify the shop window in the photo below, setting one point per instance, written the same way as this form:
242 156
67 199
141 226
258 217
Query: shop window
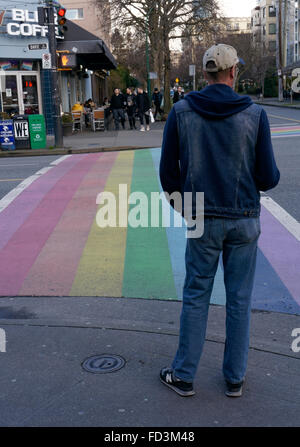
74 14
17 65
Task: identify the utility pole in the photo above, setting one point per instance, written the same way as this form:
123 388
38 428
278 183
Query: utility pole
279 50
58 131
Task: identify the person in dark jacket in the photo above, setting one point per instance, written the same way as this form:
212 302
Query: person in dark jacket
217 143
131 107
178 95
143 106
117 104
156 99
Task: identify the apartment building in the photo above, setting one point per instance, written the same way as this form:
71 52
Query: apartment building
272 20
264 25
92 15
237 25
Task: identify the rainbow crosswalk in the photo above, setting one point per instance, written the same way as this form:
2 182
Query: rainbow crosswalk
285 131
51 244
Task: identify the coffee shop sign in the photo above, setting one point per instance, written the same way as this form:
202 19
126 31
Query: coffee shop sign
25 23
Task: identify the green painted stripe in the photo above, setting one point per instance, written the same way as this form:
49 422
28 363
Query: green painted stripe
148 269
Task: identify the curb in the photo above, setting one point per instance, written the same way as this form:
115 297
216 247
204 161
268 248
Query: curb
283 106
65 151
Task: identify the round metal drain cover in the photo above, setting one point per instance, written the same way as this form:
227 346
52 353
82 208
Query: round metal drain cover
101 364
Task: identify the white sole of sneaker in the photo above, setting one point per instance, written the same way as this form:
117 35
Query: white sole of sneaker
177 390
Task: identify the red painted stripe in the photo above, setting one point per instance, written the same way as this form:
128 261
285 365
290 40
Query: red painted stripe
17 257
55 268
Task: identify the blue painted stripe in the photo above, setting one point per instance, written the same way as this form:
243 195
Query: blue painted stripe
177 242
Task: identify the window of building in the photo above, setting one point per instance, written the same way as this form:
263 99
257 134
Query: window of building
74 14
264 12
272 11
264 30
272 28
236 26
272 45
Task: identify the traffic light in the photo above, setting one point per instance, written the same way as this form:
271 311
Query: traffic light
61 19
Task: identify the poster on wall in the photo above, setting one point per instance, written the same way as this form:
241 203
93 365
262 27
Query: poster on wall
27 65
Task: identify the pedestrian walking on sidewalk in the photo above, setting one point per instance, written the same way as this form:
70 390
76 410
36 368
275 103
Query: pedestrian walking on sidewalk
156 99
131 107
117 105
178 95
143 106
218 143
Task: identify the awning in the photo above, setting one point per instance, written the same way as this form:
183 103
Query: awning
91 51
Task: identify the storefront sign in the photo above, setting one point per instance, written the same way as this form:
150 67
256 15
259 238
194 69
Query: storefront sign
25 23
7 139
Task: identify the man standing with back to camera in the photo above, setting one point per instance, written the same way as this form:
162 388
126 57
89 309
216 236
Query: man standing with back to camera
218 143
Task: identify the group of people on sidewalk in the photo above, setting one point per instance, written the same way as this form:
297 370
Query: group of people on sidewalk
136 104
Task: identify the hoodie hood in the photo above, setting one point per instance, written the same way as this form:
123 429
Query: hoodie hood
217 101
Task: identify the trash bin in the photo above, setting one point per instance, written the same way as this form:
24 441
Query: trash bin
37 131
21 131
7 139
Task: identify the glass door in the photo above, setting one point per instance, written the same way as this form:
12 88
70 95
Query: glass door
9 94
29 94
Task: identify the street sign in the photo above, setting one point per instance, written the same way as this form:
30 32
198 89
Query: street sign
7 139
46 61
37 131
153 75
38 46
192 69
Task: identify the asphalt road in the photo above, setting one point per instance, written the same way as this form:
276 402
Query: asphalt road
287 154
14 170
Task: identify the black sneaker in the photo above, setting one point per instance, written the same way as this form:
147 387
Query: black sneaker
184 389
234 389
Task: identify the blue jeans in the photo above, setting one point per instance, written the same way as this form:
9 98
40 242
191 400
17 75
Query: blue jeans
237 240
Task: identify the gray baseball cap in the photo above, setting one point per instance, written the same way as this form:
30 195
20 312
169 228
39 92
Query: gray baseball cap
224 56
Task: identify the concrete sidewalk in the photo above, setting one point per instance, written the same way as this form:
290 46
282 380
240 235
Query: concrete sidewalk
100 141
43 382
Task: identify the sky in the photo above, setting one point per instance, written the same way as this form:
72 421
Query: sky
237 8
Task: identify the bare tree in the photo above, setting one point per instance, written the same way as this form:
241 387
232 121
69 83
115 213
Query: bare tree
164 20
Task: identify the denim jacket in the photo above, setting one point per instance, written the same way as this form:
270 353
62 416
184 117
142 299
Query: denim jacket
221 160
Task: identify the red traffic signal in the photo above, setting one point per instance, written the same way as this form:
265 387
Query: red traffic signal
61 16
61 12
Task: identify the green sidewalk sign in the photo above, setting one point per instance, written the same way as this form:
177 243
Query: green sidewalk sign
37 130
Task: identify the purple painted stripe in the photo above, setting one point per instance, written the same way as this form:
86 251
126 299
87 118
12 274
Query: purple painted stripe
18 211
54 270
282 250
17 257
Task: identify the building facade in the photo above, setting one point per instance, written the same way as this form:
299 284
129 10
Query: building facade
237 25
25 77
273 28
92 15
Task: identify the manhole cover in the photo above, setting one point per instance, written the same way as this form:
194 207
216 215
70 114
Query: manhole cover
105 363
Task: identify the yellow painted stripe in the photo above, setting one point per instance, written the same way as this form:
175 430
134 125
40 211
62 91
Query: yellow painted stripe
284 118
11 179
100 271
